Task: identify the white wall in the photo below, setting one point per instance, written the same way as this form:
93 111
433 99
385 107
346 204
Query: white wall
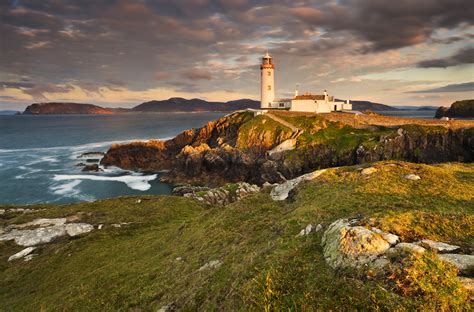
267 80
303 106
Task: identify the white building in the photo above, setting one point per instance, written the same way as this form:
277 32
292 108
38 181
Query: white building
314 103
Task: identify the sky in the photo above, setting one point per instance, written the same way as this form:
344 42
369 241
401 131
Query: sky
120 53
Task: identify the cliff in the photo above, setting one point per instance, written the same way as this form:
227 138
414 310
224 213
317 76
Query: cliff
238 147
66 108
463 108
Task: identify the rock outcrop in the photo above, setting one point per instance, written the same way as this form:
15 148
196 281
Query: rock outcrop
345 245
349 245
43 231
258 149
219 196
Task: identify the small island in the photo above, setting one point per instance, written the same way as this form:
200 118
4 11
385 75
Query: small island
57 108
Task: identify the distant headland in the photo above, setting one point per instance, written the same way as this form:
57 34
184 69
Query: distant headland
175 104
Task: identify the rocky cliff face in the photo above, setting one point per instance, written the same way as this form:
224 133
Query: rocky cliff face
458 109
65 108
235 148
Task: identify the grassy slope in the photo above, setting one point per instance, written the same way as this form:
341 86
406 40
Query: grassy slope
135 266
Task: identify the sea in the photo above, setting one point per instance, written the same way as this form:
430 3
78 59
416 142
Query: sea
39 154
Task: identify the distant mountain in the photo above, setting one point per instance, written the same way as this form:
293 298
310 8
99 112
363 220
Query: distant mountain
175 104
463 108
371 106
8 112
194 105
417 108
66 108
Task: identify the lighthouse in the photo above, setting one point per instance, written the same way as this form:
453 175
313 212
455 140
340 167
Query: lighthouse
267 82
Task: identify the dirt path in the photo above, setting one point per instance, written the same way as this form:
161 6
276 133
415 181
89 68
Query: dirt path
283 122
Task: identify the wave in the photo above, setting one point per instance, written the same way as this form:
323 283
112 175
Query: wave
139 183
67 188
76 148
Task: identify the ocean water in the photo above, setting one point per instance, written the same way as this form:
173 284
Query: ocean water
39 154
422 114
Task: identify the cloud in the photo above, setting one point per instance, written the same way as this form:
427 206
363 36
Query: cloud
459 87
16 84
463 56
212 45
196 74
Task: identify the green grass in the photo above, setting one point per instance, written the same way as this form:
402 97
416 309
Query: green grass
135 268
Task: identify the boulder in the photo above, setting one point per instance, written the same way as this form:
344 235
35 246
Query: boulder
438 246
465 263
281 191
409 247
225 195
392 239
183 190
41 223
74 229
48 231
21 254
346 246
214 264
412 177
35 237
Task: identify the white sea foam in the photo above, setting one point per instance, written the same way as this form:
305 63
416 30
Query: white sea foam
67 188
135 182
77 148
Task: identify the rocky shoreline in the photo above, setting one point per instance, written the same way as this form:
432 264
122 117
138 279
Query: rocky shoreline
259 149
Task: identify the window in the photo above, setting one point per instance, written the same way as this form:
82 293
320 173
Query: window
281 104
269 73
269 87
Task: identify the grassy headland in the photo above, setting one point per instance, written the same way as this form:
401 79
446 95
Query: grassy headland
154 259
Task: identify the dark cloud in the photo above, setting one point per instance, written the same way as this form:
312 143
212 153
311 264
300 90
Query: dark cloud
184 86
16 85
460 87
196 74
463 56
140 45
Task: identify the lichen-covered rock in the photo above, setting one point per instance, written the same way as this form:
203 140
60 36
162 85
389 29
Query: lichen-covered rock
281 191
345 245
41 222
35 237
465 263
410 248
214 264
21 254
438 246
392 239
74 229
46 231
225 195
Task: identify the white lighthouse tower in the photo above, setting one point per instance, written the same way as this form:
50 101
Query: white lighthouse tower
267 82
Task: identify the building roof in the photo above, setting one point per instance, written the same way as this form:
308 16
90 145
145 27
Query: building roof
309 97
